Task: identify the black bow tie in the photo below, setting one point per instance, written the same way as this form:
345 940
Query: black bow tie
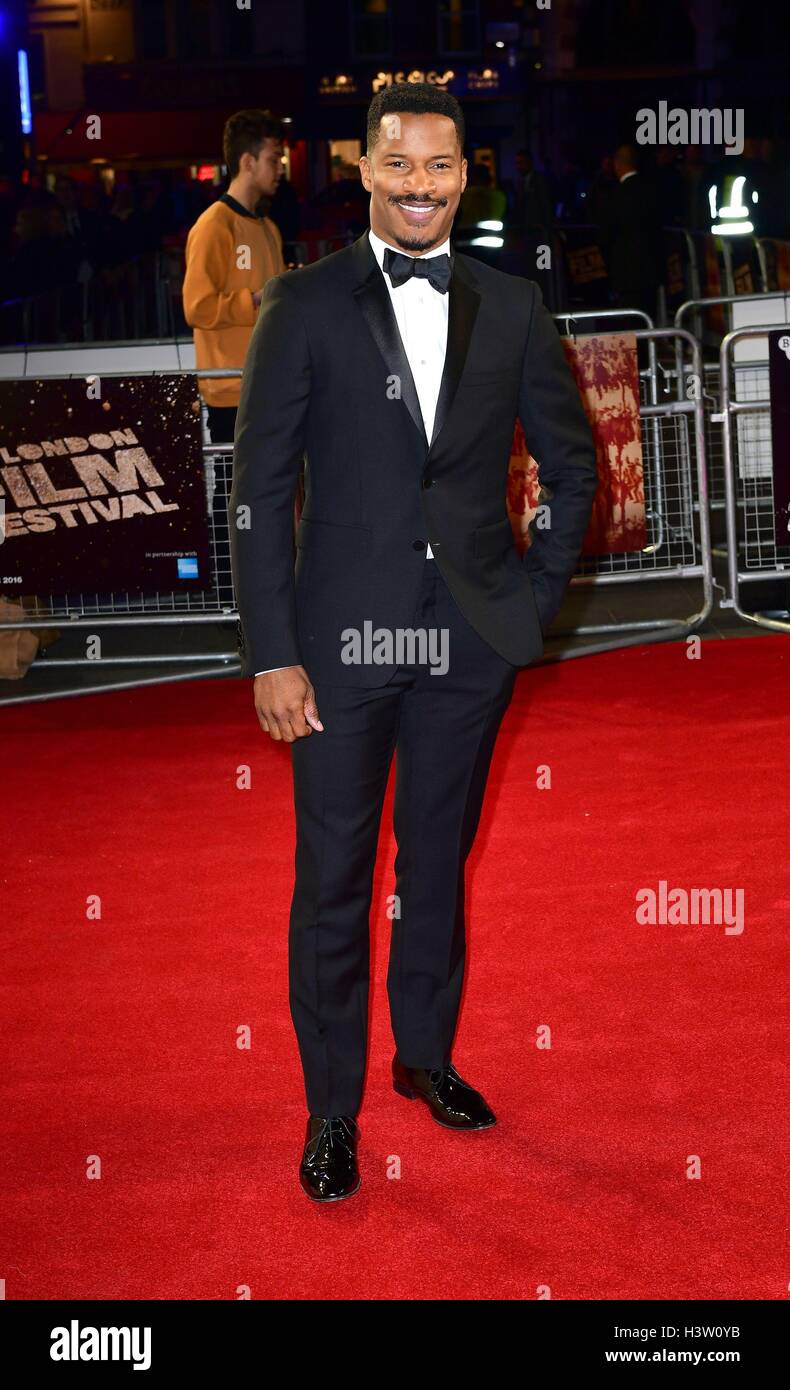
437 270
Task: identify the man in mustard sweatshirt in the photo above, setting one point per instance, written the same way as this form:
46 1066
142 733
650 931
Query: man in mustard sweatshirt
230 255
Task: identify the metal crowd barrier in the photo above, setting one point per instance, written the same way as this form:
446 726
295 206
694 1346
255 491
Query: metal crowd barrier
675 474
680 275
673 445
753 549
711 382
697 307
675 477
774 256
131 300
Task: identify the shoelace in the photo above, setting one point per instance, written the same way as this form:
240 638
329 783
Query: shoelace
437 1075
337 1130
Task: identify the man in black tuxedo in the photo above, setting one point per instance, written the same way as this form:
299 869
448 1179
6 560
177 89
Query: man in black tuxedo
631 235
396 368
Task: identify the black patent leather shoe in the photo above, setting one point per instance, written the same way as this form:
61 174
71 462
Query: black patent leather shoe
451 1100
328 1171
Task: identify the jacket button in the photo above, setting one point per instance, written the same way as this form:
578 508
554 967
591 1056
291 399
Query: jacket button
428 482
418 545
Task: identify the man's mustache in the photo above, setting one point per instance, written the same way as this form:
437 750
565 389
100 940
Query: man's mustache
419 202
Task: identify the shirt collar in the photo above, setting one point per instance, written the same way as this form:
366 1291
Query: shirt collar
237 206
629 175
379 247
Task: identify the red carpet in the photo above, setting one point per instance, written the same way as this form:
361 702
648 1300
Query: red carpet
666 1041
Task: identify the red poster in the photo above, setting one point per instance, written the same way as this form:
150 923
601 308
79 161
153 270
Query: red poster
606 370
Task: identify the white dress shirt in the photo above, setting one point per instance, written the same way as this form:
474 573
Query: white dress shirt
421 315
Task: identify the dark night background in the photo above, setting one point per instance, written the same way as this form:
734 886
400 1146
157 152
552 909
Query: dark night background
93 231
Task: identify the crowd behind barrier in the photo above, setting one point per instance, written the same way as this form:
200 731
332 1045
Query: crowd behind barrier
695 460
140 296
674 467
97 256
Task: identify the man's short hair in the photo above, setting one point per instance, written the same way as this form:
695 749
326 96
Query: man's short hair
414 99
245 133
628 154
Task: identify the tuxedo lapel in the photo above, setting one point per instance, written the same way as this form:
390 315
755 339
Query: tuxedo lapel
462 312
372 296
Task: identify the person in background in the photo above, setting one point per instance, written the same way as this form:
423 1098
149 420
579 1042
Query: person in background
43 267
482 206
81 225
696 177
230 256
670 189
603 186
481 200
532 206
631 235
774 193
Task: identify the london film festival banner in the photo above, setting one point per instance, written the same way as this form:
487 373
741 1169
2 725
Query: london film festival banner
102 486
607 374
779 387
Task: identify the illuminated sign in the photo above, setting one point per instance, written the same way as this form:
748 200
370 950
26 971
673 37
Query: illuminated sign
341 85
25 113
733 216
390 79
461 81
486 80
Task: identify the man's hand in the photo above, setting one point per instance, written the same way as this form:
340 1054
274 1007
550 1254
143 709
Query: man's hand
285 704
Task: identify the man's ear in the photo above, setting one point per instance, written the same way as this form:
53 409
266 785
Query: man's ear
463 174
364 173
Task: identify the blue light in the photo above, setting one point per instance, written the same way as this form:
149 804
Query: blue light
25 114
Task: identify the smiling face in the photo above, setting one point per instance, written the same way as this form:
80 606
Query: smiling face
415 174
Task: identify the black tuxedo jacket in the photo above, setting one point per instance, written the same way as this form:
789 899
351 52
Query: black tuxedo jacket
327 379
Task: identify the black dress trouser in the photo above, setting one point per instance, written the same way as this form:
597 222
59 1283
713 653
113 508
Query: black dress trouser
442 729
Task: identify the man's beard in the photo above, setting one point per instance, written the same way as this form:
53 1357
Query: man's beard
417 242
412 243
